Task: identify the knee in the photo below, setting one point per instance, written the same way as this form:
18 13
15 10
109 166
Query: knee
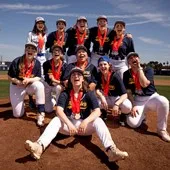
132 122
164 101
39 85
126 106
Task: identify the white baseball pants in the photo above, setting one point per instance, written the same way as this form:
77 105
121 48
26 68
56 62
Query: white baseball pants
17 95
155 103
56 125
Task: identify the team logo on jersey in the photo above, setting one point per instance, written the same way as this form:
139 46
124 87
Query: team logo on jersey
131 81
86 74
106 40
83 105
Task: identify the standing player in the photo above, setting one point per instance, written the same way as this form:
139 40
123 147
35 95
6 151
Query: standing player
121 45
90 71
38 36
142 93
57 37
53 72
77 114
99 36
78 35
111 90
25 75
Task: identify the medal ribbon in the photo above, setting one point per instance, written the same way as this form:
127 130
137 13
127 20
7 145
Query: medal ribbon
105 83
27 71
82 65
116 43
101 38
136 80
56 72
75 102
60 39
40 41
80 37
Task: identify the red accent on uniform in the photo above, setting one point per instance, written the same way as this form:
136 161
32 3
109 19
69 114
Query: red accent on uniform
101 38
105 83
116 43
60 39
40 41
135 77
82 65
80 37
75 102
56 71
27 70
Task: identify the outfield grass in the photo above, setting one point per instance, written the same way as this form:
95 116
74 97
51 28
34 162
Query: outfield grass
156 77
4 89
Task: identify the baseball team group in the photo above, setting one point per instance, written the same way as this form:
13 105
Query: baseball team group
90 72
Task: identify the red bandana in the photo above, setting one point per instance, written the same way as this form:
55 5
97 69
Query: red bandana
40 41
116 43
75 102
27 71
135 77
80 38
102 38
56 72
105 84
60 39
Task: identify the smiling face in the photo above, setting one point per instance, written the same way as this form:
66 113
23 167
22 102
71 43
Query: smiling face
82 25
30 52
57 53
61 26
104 67
119 29
133 61
102 24
81 56
76 79
40 25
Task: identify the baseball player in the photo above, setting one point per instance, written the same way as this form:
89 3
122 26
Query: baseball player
139 83
90 71
77 35
111 90
25 75
99 36
53 72
121 45
77 114
38 36
57 37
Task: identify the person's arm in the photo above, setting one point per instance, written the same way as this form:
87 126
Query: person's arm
102 99
15 81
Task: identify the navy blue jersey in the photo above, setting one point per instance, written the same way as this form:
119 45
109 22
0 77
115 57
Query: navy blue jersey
95 40
90 72
125 48
72 42
88 103
116 86
16 70
52 39
130 84
47 66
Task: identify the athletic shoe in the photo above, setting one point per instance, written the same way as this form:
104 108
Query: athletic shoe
40 119
115 154
34 148
164 135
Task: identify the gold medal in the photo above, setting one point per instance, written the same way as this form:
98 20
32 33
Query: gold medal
77 116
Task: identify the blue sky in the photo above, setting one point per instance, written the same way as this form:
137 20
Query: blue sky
148 21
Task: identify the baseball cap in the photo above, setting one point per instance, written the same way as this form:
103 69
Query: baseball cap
102 17
76 69
81 47
82 18
120 22
57 46
61 20
31 44
132 54
103 58
39 19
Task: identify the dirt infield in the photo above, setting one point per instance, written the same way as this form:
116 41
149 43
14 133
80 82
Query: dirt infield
146 150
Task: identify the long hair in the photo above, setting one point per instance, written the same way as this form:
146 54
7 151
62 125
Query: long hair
35 30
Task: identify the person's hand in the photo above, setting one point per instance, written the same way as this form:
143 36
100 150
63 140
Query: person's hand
115 110
104 102
26 81
72 129
82 127
134 111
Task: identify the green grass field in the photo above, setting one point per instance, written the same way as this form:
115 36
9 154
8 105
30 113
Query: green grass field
156 77
4 89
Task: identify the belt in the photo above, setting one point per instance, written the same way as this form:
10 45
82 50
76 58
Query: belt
114 57
40 54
